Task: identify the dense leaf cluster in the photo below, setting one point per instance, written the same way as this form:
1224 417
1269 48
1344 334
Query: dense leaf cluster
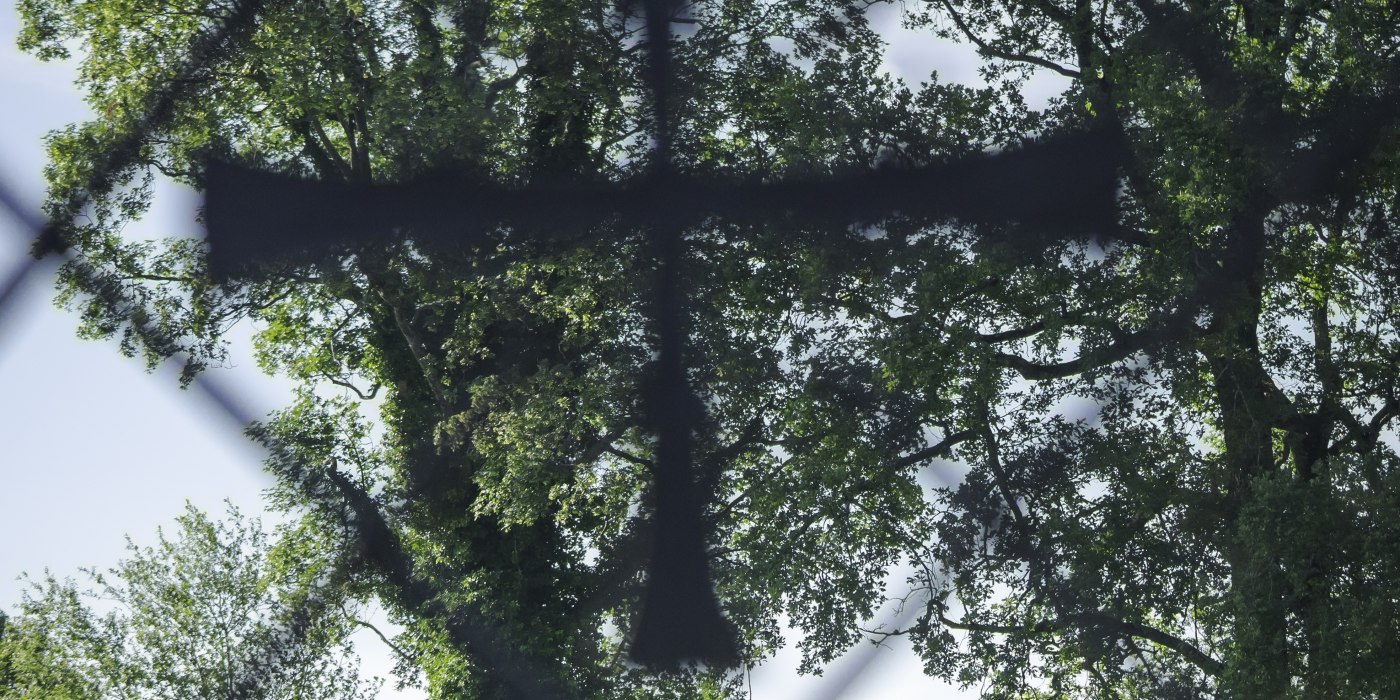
207 613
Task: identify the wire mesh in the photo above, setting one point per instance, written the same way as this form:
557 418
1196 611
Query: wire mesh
1064 183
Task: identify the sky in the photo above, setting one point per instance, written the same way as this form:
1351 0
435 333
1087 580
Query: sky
96 448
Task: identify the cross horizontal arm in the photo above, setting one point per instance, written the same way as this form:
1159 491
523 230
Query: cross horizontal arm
1062 185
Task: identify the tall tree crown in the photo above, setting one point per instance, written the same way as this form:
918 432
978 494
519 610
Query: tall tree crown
1220 522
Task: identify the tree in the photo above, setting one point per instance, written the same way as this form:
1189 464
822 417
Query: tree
1223 524
192 617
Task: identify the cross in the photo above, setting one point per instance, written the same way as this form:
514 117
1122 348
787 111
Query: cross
1063 186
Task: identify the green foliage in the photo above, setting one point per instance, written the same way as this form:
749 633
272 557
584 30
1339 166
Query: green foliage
1180 467
188 618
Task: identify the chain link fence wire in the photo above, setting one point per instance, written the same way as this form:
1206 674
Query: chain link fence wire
15 277
1066 183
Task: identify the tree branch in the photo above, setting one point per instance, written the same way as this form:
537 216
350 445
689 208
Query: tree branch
374 390
157 278
412 342
327 147
988 50
640 461
746 439
1202 660
494 88
993 629
387 642
1073 318
941 449
1127 345
1092 360
1362 437
601 445
994 463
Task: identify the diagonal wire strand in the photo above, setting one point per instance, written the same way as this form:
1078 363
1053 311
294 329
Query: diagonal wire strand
13 281
16 277
29 222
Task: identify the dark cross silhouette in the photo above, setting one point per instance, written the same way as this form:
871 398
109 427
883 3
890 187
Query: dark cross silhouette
1063 186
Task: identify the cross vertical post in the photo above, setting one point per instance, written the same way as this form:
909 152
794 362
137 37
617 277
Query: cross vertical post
680 618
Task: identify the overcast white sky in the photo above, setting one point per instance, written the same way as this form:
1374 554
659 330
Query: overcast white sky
95 448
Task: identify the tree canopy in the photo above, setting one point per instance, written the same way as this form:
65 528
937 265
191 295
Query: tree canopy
1221 520
192 617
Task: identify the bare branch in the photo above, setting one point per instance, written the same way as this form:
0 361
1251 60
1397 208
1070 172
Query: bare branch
387 642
